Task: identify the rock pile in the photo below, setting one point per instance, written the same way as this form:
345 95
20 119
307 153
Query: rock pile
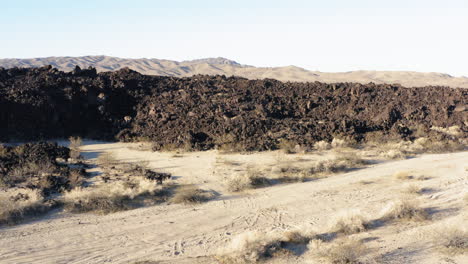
203 112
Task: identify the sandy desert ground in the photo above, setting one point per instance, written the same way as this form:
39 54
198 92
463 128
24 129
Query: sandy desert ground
180 233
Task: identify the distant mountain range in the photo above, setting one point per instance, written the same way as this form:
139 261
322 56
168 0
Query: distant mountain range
223 66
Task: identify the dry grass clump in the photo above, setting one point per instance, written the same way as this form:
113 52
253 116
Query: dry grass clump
250 180
290 174
74 146
345 251
322 145
190 194
18 204
340 143
394 154
413 189
228 143
403 175
254 247
343 162
106 159
451 131
404 210
403 149
109 198
350 223
288 146
452 240
250 247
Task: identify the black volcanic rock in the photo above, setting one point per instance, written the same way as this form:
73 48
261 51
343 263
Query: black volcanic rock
205 111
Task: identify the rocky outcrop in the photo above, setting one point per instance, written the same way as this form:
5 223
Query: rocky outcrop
202 112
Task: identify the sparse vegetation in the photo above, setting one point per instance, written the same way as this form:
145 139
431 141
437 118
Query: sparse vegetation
413 189
17 205
342 162
452 240
288 146
350 223
190 194
451 131
347 251
106 159
404 210
250 180
322 145
109 198
74 146
253 247
403 175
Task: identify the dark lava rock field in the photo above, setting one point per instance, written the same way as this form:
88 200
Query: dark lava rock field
204 112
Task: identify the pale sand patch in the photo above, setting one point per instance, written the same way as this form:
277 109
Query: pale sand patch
179 233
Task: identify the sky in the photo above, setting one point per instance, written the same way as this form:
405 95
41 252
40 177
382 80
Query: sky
327 35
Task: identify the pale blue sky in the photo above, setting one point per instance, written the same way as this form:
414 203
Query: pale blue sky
327 35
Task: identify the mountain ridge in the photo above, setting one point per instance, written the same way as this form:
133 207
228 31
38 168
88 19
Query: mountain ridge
224 66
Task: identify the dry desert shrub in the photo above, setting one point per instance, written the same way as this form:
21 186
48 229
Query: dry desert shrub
342 162
288 146
451 240
451 131
106 159
250 180
413 189
190 194
19 204
289 174
350 223
394 154
250 247
322 145
404 210
340 143
228 143
345 251
74 146
109 197
403 149
254 246
402 175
